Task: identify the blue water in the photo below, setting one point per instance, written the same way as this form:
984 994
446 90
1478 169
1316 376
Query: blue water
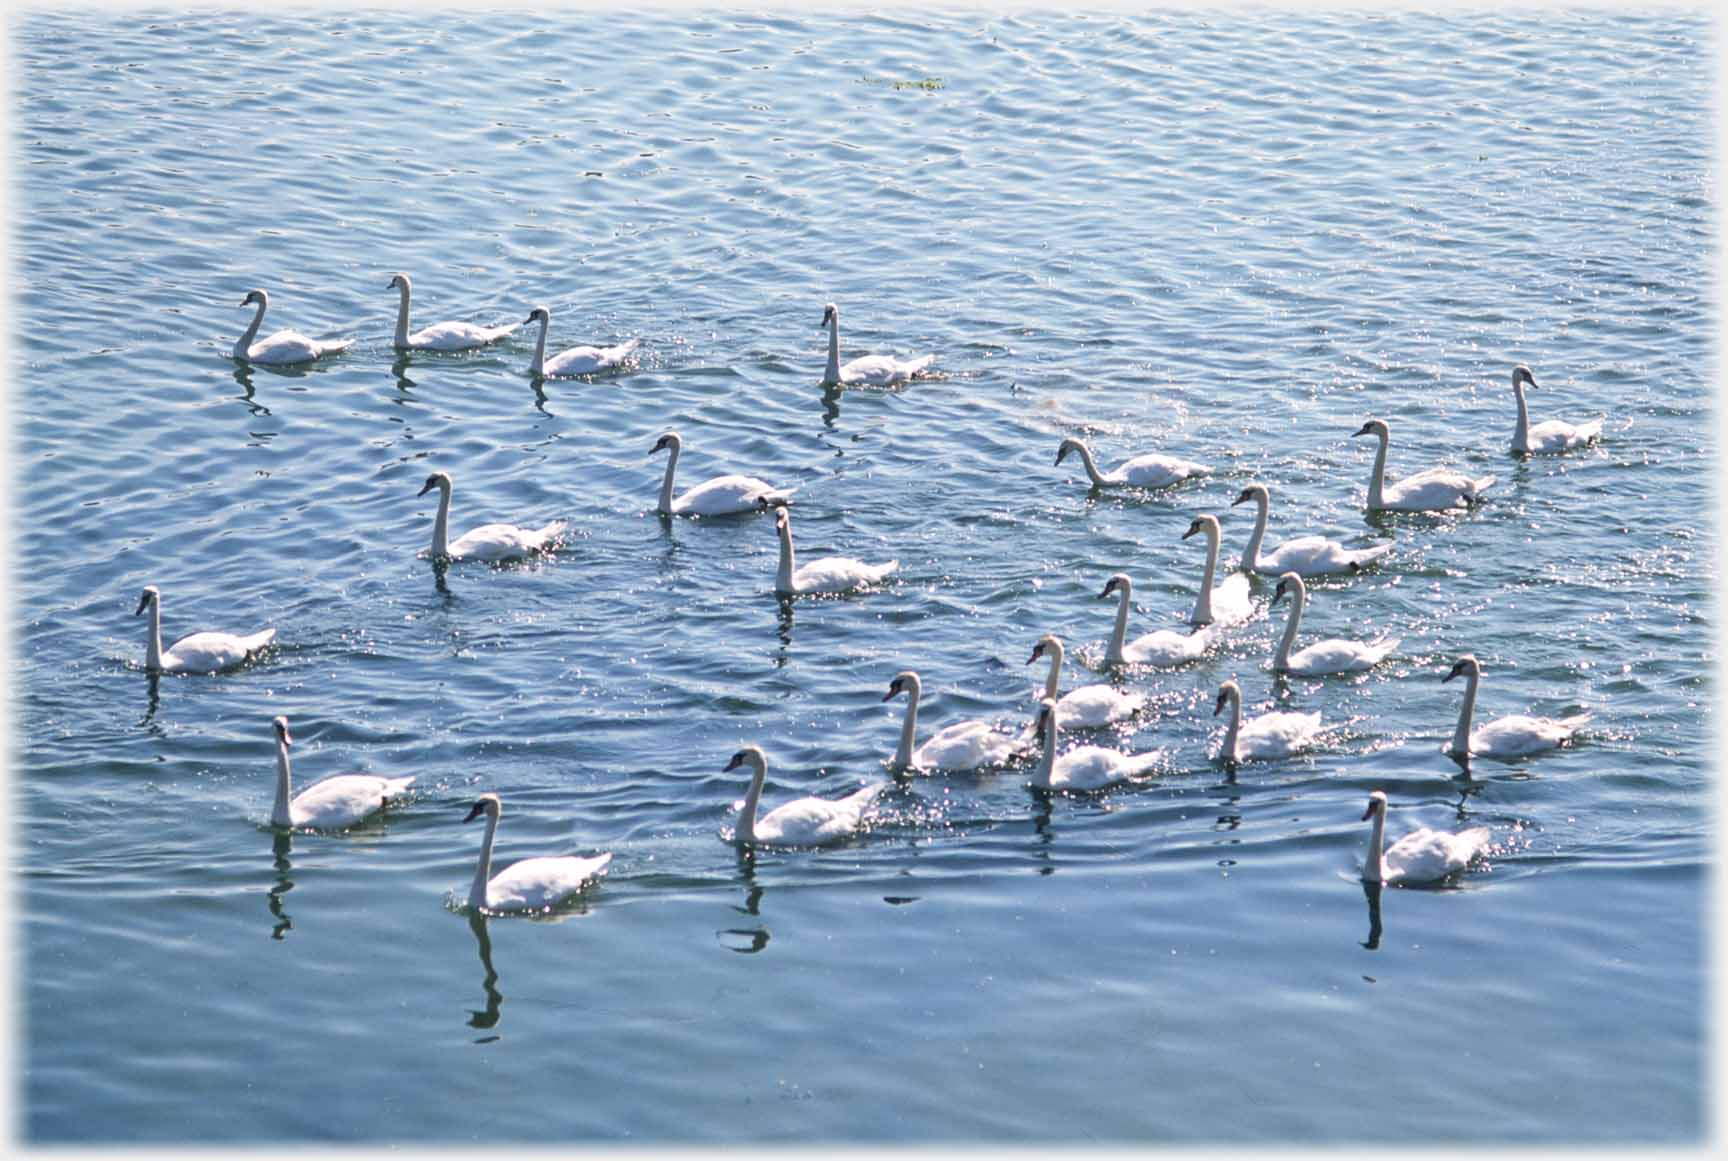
1228 236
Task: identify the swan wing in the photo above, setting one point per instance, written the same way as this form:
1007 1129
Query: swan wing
1555 435
1434 489
495 542
728 496
1427 856
588 360
1336 655
1095 767
210 651
538 883
965 746
880 370
1276 734
839 574
814 821
1518 734
343 800
1156 471
1316 556
1096 705
1167 646
458 336
286 347
1232 601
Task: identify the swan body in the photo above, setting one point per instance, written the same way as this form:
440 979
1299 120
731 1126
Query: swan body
827 574
803 822
720 496
206 652
1159 647
1334 655
1270 735
1551 435
332 803
1512 736
533 884
283 347
962 746
489 542
1434 490
1305 555
1145 471
1084 767
867 370
576 360
1422 856
444 336
1229 603
1088 706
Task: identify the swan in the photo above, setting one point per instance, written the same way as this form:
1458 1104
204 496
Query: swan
867 370
720 496
1084 767
1422 856
1305 555
1277 734
1159 647
828 574
1509 737
332 803
1147 471
1333 655
576 360
803 822
1431 491
489 542
283 347
1090 705
444 336
206 652
536 884
1551 435
1231 597
961 746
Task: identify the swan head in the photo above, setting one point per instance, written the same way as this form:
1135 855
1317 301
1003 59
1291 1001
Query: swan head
151 595
255 298
1467 666
671 439
1204 523
1290 583
1117 582
398 282
905 682
1521 374
281 726
439 480
1225 692
751 756
1374 427
782 522
1254 492
1068 445
486 804
1376 804
1048 643
830 314
538 314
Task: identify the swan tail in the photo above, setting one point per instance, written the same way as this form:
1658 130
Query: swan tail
882 570
1383 645
1576 721
1589 431
258 640
779 497
1482 483
623 350
916 366
335 347
1146 763
398 785
1365 556
551 532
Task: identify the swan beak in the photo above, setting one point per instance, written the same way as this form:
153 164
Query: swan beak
1219 708
287 738
893 691
476 812
1037 652
143 603
1366 429
427 487
660 444
1192 529
1369 813
1242 499
1061 455
737 761
1108 589
1277 594
1456 670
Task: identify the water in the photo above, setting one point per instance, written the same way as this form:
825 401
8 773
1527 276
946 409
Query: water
1231 237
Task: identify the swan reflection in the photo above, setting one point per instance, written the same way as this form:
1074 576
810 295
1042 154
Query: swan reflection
282 847
487 1018
1372 891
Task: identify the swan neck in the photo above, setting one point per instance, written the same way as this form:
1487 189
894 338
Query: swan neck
279 812
243 345
539 363
1521 434
1376 847
783 579
441 524
1377 481
483 869
1461 735
746 830
1119 635
153 643
1297 599
1090 464
1047 760
1251 554
908 728
832 373
1055 676
1228 753
402 318
666 483
1203 603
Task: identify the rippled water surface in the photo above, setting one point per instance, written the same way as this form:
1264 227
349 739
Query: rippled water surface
1231 237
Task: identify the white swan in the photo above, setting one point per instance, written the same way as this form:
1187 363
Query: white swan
489 542
283 347
1159 647
720 496
1230 602
576 360
866 370
206 652
1333 655
1551 435
1147 471
1431 491
1277 734
1084 767
828 574
961 746
1090 705
803 822
1305 555
444 336
1422 856
331 803
535 884
1509 737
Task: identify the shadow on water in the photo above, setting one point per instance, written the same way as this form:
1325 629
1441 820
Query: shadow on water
1372 891
281 847
487 1018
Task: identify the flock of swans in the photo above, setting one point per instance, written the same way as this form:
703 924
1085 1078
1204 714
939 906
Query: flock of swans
539 883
